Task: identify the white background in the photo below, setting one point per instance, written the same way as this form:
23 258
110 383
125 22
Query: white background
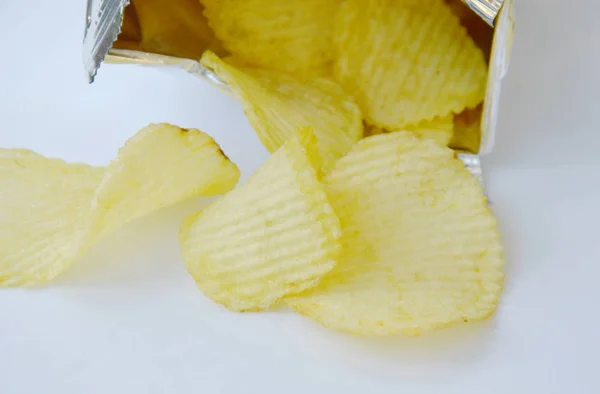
128 319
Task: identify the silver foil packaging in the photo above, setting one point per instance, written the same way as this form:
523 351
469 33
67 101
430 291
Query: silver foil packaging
115 32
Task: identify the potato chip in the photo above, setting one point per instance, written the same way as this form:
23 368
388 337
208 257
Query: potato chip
478 29
133 187
275 235
420 247
17 153
43 207
277 105
467 130
412 61
175 28
292 36
52 211
371 130
439 129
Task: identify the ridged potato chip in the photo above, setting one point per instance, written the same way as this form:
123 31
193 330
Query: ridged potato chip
481 33
406 61
275 235
439 129
420 247
44 205
292 36
277 105
52 211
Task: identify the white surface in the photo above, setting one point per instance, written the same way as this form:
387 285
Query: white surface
128 319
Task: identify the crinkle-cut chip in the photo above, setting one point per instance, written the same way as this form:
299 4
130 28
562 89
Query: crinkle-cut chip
44 204
52 211
275 235
420 247
293 36
412 61
147 176
439 129
277 105
467 130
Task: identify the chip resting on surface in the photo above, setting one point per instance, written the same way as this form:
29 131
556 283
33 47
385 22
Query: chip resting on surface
277 105
44 204
275 235
411 62
420 247
52 211
159 166
292 36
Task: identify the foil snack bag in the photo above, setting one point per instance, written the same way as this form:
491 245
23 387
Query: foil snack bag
176 33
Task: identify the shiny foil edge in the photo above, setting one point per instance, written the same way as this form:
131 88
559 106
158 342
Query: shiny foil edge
102 27
498 67
193 67
472 163
486 9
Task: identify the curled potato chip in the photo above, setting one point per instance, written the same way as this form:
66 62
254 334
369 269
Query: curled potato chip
420 247
147 175
439 129
275 235
43 207
412 61
277 105
292 36
52 211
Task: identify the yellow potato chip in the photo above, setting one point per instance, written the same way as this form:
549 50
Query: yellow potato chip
420 247
17 153
481 33
147 176
412 61
52 211
175 28
439 129
371 130
43 207
275 235
290 36
277 105
467 130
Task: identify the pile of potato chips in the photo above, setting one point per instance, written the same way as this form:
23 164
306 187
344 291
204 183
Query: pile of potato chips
362 219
